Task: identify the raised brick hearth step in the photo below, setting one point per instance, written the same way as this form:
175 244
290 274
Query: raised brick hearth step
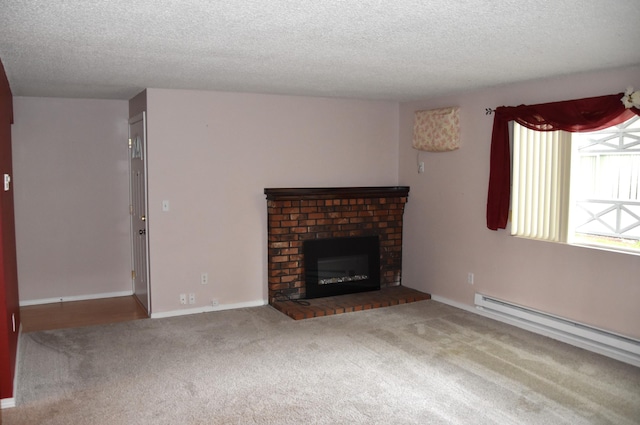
318 307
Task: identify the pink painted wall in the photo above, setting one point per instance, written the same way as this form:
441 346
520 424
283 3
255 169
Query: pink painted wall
71 197
212 154
446 235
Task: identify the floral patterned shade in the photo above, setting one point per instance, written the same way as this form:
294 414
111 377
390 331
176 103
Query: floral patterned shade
437 130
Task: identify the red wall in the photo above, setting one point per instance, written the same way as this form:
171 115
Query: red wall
9 304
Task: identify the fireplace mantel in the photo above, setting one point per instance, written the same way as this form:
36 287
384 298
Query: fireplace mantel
336 192
298 214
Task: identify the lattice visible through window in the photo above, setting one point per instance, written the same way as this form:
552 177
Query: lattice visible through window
606 192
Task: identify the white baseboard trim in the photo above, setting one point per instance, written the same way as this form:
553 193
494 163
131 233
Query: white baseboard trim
7 403
75 298
581 342
207 309
455 304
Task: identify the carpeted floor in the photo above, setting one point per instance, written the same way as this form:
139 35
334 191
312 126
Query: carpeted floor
419 363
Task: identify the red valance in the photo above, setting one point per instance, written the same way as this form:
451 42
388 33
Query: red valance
589 114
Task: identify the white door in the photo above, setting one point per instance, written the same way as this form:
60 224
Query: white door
138 209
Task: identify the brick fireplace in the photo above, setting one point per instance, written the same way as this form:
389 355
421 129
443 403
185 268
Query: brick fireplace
299 214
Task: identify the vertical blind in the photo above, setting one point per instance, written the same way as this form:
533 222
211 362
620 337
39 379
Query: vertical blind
541 182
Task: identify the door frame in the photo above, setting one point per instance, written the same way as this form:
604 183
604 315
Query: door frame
139 117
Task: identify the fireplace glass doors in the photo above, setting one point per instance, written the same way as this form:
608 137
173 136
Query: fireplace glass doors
338 266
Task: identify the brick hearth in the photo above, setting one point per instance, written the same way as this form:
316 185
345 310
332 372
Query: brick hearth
318 307
298 214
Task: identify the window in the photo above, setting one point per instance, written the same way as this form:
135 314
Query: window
579 188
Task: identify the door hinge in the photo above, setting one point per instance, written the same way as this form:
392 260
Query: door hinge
133 274
130 209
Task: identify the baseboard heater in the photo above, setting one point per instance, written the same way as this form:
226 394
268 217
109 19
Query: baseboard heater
603 342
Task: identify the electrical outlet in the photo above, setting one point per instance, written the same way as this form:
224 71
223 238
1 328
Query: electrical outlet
204 278
215 302
183 298
470 278
192 298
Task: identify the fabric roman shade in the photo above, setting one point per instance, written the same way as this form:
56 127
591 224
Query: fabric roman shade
437 130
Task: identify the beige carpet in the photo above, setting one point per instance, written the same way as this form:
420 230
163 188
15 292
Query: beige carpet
419 363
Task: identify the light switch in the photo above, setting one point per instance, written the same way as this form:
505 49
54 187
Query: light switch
165 205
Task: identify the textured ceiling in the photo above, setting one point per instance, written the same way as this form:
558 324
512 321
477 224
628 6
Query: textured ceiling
395 49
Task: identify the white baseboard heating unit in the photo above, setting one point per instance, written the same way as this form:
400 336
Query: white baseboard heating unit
584 336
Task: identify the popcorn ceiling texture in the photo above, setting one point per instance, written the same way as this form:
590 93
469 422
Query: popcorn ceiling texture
401 50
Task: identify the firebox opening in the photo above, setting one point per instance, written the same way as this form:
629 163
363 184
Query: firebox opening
338 266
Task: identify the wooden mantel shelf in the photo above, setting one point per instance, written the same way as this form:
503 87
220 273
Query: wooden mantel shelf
336 192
